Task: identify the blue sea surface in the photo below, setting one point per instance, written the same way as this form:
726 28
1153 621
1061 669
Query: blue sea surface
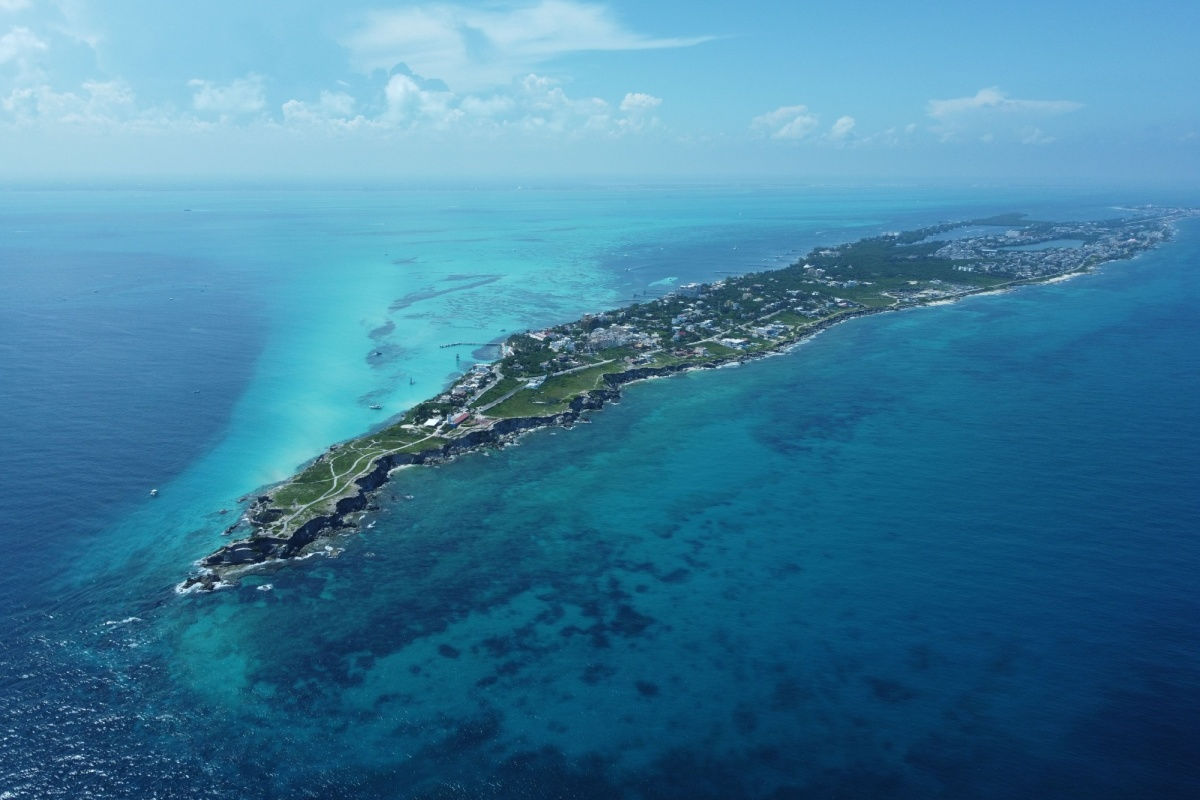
947 552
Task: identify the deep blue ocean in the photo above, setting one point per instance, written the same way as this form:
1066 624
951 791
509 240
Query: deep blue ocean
950 552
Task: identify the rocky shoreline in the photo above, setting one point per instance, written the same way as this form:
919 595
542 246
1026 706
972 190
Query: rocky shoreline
272 539
220 568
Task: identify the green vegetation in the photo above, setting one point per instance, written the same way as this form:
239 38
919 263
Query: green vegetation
555 393
541 372
502 387
528 403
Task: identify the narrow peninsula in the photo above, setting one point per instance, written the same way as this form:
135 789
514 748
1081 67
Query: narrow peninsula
552 377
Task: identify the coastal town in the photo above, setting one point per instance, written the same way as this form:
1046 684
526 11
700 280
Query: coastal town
556 375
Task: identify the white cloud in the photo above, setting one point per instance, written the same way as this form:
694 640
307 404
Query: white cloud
636 103
543 105
19 46
241 96
408 103
489 107
638 109
841 129
478 47
404 97
888 137
1032 135
405 105
13 5
330 107
995 100
533 104
785 122
991 115
100 103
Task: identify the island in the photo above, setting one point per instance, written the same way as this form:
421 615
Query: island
557 375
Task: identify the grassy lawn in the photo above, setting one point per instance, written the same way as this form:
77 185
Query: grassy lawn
299 493
719 350
875 301
528 403
791 318
571 384
348 463
420 447
506 385
553 396
666 360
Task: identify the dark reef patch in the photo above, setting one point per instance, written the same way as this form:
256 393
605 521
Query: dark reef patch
383 330
629 622
745 720
890 691
788 695
676 576
413 298
595 672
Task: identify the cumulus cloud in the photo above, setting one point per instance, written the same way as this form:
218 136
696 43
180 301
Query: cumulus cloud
13 5
399 103
329 107
636 103
995 100
991 115
494 106
543 105
533 104
409 103
241 96
98 103
841 129
472 47
785 122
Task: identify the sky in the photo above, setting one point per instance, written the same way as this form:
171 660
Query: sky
621 90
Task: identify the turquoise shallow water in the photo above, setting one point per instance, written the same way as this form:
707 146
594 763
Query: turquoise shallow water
948 552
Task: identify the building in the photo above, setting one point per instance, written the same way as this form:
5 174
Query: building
614 336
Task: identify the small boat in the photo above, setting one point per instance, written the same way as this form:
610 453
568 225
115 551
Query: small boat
375 406
154 492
